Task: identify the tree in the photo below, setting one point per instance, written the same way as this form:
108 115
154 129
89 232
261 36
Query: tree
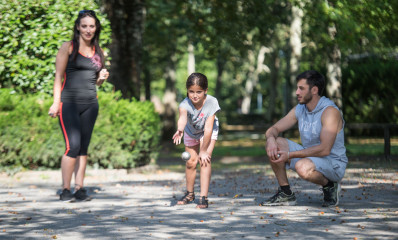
127 22
31 32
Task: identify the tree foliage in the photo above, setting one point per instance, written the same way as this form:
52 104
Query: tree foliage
31 33
226 35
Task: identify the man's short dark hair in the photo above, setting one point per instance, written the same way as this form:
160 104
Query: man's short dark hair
313 78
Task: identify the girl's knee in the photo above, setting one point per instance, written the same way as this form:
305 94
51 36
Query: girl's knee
192 163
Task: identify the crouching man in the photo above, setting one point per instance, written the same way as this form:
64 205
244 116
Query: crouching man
321 159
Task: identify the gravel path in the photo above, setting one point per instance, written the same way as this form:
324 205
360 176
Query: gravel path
141 205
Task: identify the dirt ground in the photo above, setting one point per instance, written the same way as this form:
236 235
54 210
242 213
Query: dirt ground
140 204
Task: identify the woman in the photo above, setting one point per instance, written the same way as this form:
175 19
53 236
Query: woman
79 62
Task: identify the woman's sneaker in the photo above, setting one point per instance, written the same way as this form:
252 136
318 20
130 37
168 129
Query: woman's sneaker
66 196
81 195
280 199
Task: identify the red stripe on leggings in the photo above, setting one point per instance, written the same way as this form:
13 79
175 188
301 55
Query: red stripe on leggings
63 129
63 84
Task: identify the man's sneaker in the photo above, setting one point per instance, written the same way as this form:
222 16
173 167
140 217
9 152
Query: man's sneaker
66 196
81 195
280 199
331 195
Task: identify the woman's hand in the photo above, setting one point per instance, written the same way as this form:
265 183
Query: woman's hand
102 76
54 110
177 137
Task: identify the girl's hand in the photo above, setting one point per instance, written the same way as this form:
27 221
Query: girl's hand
204 158
54 110
177 137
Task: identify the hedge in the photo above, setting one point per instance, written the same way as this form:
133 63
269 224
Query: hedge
31 33
126 133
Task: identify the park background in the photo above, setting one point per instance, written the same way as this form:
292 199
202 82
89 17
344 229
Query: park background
250 50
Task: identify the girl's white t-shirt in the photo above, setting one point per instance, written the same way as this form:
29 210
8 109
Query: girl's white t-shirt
197 118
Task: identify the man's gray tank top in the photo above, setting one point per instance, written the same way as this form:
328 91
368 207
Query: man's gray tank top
197 118
310 126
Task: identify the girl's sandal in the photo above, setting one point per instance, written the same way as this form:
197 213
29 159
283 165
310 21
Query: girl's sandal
189 197
203 202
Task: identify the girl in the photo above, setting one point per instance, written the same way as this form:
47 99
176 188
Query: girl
79 63
199 123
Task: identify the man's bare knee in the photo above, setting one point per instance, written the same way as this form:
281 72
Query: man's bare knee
305 168
282 143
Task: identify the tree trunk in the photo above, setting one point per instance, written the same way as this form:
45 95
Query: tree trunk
191 58
334 71
252 79
170 99
294 56
220 69
127 23
147 82
275 66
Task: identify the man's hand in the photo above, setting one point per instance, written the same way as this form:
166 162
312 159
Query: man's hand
281 157
272 149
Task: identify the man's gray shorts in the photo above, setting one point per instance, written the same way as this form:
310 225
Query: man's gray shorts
332 169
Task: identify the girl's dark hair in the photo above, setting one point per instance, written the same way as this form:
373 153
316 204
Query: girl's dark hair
313 78
197 79
94 41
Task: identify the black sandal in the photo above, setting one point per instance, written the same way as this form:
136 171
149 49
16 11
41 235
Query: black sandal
203 202
189 197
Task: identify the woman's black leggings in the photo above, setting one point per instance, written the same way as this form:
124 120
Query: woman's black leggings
77 123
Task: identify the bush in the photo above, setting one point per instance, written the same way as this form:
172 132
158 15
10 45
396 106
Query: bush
125 135
31 32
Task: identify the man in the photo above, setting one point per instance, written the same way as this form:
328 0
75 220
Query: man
321 159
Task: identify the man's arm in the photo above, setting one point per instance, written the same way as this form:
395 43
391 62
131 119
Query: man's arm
331 125
273 132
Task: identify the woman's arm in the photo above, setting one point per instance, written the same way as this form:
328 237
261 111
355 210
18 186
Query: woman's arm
60 66
102 75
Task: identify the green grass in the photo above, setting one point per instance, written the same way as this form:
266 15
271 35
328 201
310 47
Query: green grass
359 154
368 149
256 150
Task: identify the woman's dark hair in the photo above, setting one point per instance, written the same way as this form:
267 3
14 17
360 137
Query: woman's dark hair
197 79
94 41
313 78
